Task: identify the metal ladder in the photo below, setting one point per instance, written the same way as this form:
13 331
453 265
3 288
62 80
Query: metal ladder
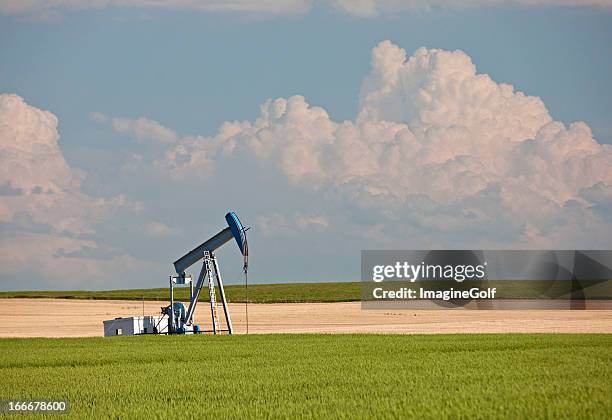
211 291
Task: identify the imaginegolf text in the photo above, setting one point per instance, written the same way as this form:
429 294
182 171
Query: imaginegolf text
404 293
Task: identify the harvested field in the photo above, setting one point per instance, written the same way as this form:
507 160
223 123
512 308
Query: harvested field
77 318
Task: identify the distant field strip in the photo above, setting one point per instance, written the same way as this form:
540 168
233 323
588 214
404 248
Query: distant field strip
327 292
365 376
258 293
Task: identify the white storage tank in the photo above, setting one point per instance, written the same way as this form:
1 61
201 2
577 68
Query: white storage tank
136 325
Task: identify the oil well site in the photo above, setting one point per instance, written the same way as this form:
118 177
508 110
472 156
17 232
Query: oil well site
320 209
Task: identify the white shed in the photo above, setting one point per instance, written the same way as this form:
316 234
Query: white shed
136 325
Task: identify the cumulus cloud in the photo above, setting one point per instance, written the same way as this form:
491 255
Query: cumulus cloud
143 130
436 148
31 162
45 218
8 189
51 261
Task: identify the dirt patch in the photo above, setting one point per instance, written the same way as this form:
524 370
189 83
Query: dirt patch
74 318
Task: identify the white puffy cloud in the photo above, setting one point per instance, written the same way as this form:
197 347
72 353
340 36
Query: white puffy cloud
51 261
46 221
370 8
143 129
435 148
32 162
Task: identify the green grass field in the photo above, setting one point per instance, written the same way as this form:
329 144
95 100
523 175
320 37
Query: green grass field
328 292
452 376
258 293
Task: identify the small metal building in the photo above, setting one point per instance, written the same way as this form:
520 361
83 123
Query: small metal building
136 325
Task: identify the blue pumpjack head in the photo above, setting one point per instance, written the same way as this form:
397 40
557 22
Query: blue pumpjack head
237 230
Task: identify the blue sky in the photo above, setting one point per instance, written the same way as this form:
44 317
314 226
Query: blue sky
191 71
